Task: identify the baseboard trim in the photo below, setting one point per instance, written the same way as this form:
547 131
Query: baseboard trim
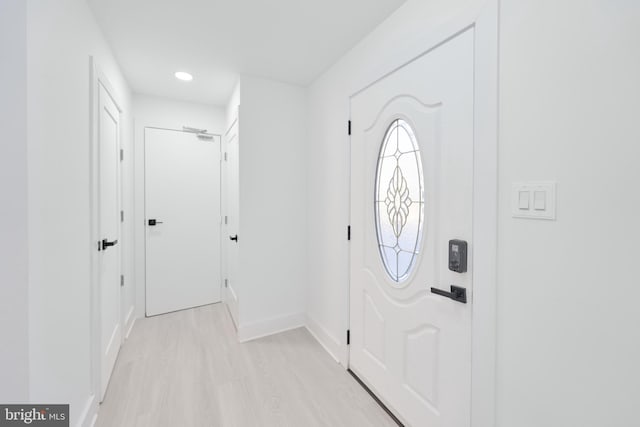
90 413
324 338
275 325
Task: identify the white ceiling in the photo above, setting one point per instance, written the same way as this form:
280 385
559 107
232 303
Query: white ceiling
292 41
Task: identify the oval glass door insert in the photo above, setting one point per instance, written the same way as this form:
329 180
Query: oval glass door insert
399 200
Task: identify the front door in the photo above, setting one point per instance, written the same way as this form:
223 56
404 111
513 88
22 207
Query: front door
411 194
109 232
182 209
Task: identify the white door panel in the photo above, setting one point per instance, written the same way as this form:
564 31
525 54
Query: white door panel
410 346
182 193
232 212
109 229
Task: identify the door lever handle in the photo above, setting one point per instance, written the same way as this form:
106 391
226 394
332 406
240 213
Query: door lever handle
233 238
457 293
106 243
154 222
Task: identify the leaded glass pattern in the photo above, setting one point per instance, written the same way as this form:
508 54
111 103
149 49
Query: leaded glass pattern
399 200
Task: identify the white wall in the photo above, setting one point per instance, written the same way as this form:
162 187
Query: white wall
171 114
272 234
568 335
14 310
151 111
568 342
231 113
61 36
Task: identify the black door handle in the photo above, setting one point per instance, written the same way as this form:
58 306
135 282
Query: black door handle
457 293
233 238
154 222
106 243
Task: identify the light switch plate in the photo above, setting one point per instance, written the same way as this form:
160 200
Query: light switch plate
542 200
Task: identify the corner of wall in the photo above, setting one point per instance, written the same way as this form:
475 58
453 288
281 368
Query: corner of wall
326 340
271 326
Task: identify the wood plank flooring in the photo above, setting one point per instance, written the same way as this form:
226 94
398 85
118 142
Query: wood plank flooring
187 369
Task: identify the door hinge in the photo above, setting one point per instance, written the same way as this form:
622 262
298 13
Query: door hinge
348 336
226 220
348 232
349 127
225 156
121 154
121 216
226 283
122 280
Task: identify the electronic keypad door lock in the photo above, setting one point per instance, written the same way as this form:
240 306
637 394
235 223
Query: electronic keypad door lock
458 256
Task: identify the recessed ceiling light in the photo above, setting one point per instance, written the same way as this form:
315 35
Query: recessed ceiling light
181 75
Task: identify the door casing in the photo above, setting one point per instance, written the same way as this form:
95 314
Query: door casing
230 212
484 21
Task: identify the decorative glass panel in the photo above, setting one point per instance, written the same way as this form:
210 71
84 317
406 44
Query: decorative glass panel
399 200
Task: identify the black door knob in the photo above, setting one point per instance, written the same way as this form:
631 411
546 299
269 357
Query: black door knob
457 293
233 238
106 243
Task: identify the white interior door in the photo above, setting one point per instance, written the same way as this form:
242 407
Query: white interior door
182 209
411 192
232 219
109 232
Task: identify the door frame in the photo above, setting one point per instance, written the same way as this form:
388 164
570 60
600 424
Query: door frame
97 79
230 298
143 217
483 19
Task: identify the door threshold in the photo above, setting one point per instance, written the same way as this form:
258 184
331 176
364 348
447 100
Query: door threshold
378 401
182 309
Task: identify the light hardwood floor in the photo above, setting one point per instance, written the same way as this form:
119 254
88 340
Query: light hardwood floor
187 369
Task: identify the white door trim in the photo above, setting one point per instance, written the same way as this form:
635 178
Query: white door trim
97 79
484 21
